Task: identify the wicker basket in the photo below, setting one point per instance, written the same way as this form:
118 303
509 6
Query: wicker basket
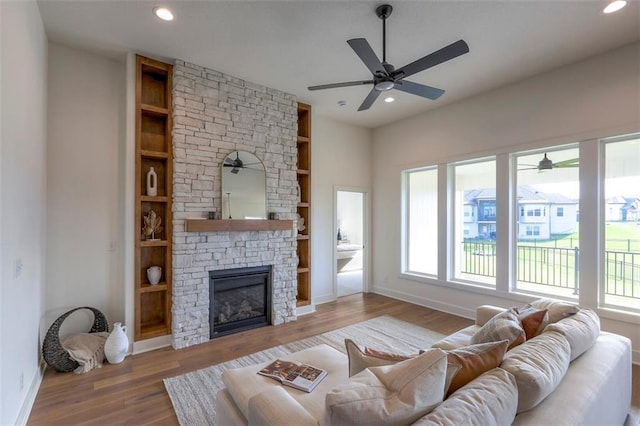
54 354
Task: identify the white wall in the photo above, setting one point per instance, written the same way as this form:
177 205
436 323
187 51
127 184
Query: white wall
22 204
85 183
341 155
590 99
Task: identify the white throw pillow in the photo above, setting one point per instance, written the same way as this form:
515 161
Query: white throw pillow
581 330
538 366
390 395
491 399
504 326
557 309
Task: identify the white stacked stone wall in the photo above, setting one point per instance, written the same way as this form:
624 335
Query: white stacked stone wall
215 114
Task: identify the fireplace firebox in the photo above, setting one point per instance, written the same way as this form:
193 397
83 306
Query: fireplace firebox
239 299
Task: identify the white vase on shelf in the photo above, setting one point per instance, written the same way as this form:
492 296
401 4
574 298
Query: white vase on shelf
154 273
152 182
117 344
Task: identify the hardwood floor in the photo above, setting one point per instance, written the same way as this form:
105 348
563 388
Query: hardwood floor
133 393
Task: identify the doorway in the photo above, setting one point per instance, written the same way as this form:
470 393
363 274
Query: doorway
350 238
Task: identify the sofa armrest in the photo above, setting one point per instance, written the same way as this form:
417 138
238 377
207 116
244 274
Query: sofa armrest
276 407
485 312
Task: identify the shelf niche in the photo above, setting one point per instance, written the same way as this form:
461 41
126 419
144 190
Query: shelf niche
304 206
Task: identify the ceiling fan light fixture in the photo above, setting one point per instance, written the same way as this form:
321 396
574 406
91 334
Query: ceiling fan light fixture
545 163
614 6
163 13
384 85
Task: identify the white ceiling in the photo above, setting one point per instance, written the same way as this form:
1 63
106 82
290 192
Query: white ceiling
289 45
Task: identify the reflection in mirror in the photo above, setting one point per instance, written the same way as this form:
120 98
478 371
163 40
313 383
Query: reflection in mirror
244 187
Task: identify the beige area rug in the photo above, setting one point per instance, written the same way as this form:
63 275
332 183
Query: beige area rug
193 394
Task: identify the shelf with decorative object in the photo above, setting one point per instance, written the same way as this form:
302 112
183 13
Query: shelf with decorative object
233 225
303 174
153 188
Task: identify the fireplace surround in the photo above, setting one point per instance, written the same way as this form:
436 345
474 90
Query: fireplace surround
239 299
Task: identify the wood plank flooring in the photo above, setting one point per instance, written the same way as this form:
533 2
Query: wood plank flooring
133 393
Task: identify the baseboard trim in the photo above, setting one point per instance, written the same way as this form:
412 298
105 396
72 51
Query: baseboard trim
151 344
304 310
635 357
30 398
421 301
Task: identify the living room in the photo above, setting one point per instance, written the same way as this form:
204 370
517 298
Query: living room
67 174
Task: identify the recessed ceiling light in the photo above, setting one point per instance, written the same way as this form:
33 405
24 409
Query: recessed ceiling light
615 6
342 103
163 13
389 99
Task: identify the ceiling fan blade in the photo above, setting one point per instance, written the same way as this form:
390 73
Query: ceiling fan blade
418 89
363 49
369 100
567 163
447 53
564 166
345 84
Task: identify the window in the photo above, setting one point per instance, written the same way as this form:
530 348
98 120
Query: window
422 221
474 251
621 282
547 247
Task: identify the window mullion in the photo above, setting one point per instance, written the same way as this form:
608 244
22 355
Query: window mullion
504 207
590 214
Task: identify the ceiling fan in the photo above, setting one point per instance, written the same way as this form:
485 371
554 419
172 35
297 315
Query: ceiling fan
547 164
385 76
236 163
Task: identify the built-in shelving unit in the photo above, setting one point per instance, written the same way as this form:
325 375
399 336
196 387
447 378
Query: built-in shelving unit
153 149
304 205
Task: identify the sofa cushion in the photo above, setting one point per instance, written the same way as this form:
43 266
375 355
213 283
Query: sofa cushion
474 360
556 309
538 366
491 399
504 326
361 357
395 394
581 330
276 407
458 339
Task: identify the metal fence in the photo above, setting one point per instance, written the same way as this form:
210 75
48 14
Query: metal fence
556 267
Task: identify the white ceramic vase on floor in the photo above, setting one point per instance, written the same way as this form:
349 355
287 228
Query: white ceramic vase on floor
117 344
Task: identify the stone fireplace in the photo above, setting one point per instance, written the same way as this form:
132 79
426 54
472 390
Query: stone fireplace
239 299
215 114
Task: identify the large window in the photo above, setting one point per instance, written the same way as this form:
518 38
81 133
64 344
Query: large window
547 249
622 223
475 234
422 221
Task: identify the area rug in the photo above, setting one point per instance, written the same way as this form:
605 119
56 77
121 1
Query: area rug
193 395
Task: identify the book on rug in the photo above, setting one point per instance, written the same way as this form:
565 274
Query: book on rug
297 375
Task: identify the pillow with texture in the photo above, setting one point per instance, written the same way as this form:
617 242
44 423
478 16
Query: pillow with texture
491 399
533 320
581 330
475 360
556 309
538 367
504 326
361 357
394 394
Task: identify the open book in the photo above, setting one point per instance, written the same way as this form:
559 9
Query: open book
297 375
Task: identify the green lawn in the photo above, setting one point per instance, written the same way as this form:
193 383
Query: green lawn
619 236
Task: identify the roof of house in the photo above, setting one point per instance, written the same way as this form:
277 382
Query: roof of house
525 193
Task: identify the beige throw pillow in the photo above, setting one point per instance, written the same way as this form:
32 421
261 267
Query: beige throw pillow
504 326
361 357
538 367
557 310
581 330
390 395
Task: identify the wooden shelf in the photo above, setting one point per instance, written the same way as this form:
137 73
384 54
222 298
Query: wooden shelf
148 288
154 154
153 150
234 225
303 174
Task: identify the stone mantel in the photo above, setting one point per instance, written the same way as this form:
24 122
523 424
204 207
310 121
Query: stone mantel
237 225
